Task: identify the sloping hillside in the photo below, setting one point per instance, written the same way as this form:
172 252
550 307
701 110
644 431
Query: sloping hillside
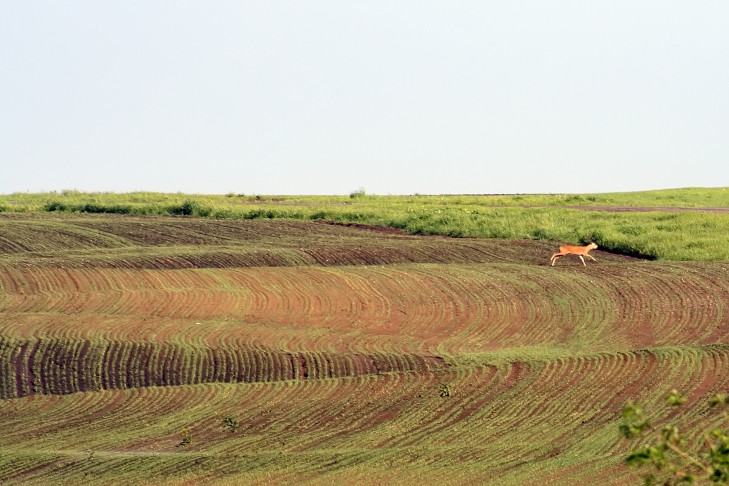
341 353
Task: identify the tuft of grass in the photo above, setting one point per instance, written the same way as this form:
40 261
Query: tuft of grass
186 435
231 424
191 207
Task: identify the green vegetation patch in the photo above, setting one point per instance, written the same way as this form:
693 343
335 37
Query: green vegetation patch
660 234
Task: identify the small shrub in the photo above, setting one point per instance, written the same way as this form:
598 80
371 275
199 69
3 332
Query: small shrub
105 209
55 206
445 390
191 208
186 437
672 457
231 424
359 193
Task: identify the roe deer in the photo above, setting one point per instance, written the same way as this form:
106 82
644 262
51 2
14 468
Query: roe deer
580 251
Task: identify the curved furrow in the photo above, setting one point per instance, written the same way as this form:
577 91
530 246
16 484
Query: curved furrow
645 376
24 350
716 283
292 291
512 378
8 367
15 469
14 282
129 412
467 403
437 306
304 300
587 311
470 297
261 291
513 402
359 301
579 416
446 310
335 255
393 300
699 308
698 369
354 415
554 398
509 309
622 371
88 413
561 415
705 380
630 297
114 292
412 300
670 368
545 308
55 367
9 243
110 360
503 307
133 242
62 366
49 235
591 471
659 305
373 412
633 372
56 414
673 306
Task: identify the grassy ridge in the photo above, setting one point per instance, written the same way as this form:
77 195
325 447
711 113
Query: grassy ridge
163 202
689 236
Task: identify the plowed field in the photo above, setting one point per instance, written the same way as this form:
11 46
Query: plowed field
343 353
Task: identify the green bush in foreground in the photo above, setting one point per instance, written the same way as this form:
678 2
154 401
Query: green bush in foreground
673 458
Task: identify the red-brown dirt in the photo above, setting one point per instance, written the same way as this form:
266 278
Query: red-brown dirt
366 302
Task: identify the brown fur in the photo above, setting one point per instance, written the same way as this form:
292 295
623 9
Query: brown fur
580 251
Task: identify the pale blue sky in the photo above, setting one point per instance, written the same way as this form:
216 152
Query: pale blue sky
395 97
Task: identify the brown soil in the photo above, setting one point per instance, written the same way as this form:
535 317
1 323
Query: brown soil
169 301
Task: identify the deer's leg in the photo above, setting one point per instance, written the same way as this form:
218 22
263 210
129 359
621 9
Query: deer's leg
588 255
583 260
